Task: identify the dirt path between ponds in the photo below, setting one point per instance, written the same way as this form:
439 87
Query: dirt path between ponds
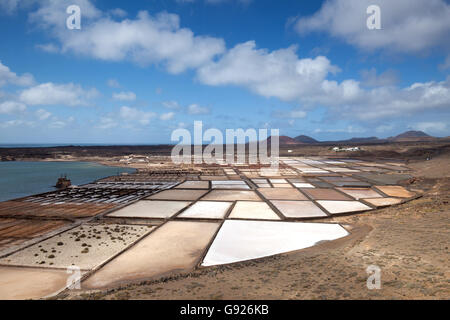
409 242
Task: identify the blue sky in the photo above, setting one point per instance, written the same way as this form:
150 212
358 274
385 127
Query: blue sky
137 70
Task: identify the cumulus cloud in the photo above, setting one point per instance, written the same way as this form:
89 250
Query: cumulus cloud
129 117
384 128
124 96
51 14
171 105
446 64
106 123
167 116
406 25
348 129
192 109
57 124
145 40
136 115
113 83
370 78
283 75
279 73
43 114
12 107
298 114
293 114
196 109
117 12
349 100
16 123
9 6
53 94
48 47
431 126
9 77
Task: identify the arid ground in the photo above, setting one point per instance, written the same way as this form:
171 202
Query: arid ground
409 242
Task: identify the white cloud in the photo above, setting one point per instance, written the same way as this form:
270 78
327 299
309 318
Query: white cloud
11 107
348 129
244 2
9 77
349 100
113 83
446 64
406 25
62 94
118 13
171 105
133 114
370 78
9 6
57 124
124 96
16 123
283 75
297 114
419 97
279 73
43 114
48 47
167 116
52 13
294 114
431 127
384 128
106 123
145 40
196 109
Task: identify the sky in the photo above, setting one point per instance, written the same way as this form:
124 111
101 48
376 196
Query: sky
136 71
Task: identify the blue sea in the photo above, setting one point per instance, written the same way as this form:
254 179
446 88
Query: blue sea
20 179
54 145
48 145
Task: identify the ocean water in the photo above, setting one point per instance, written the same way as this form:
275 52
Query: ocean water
47 145
53 145
21 179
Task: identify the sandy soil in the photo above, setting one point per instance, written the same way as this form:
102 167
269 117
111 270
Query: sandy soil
39 282
179 243
409 242
86 247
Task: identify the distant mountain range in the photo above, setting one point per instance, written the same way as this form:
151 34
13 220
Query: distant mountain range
406 136
412 136
284 140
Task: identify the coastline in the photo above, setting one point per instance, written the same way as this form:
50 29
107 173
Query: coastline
104 155
27 177
103 162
